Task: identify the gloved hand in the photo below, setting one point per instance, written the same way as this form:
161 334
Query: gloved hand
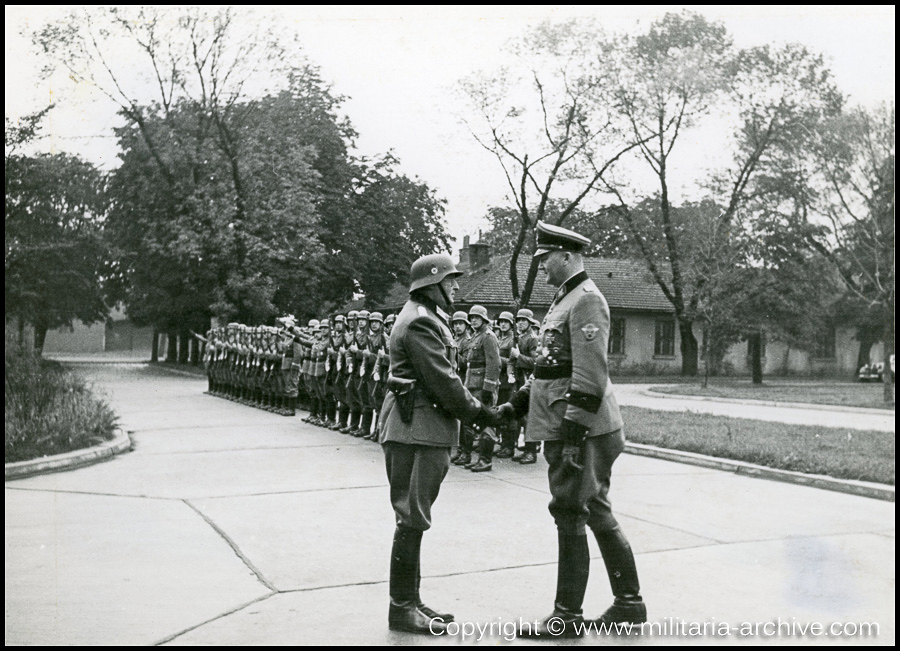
573 444
506 411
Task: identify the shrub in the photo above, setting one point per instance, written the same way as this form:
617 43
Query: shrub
49 410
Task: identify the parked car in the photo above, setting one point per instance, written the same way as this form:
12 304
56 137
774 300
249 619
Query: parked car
874 371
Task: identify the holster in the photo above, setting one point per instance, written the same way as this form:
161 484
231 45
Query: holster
404 391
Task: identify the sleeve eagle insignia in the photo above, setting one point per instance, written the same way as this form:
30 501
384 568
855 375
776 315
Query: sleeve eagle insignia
590 331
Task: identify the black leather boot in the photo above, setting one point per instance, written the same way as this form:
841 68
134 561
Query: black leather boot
365 424
628 606
352 424
404 613
485 455
573 569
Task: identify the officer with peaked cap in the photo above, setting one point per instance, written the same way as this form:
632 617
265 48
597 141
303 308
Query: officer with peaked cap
419 424
581 441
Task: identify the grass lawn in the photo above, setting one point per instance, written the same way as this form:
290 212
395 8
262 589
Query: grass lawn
860 455
848 394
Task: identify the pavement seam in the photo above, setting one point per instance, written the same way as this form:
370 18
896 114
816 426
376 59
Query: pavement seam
94 493
174 636
847 409
259 575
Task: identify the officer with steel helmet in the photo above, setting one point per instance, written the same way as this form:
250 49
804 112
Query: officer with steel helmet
522 356
483 380
572 408
419 425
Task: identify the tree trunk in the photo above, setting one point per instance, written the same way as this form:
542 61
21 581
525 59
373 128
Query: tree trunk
866 340
21 333
184 338
754 343
706 356
196 352
154 352
887 377
689 349
172 347
40 335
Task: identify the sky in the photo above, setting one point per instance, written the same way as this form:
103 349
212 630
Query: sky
399 67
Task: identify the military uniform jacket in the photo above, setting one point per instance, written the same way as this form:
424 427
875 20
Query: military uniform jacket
528 348
507 366
462 354
483 371
422 349
571 372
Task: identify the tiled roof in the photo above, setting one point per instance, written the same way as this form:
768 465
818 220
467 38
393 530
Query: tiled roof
626 284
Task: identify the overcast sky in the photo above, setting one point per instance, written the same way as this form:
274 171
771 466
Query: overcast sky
398 64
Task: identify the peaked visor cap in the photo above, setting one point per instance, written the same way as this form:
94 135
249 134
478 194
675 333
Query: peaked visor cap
556 238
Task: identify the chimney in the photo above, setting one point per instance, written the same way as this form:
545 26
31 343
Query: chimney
474 256
465 262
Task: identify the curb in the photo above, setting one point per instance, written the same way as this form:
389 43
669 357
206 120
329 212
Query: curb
771 403
852 487
70 460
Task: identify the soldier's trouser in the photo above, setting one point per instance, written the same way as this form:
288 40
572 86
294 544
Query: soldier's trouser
327 391
580 498
353 398
509 433
342 392
415 473
310 383
466 439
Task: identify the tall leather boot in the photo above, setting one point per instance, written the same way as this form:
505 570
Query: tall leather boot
445 617
628 606
404 613
485 455
330 411
572 573
291 406
365 424
353 423
343 415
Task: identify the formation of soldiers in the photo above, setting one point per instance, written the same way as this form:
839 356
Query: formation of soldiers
337 369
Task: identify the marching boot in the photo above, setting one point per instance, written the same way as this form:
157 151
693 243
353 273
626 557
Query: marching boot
365 424
353 424
485 455
507 443
376 433
290 406
572 573
463 459
404 613
444 617
628 606
343 415
330 410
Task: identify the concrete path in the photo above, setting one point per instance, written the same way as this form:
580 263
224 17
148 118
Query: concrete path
228 525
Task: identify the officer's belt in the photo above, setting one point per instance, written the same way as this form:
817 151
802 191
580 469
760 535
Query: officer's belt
552 372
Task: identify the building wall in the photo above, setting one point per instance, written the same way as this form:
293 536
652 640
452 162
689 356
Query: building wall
783 359
640 340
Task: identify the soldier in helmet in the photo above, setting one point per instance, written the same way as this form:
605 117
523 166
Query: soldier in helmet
419 424
483 380
506 341
461 335
357 372
376 348
335 360
383 369
522 356
320 371
345 378
308 369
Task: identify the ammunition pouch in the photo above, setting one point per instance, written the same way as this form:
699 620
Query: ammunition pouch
404 391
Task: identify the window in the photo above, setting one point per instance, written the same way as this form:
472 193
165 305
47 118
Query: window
664 346
617 336
825 344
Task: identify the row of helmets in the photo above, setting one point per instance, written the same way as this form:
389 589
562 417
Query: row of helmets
480 311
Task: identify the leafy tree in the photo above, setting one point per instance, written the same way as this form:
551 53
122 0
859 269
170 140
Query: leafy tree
549 122
854 160
55 253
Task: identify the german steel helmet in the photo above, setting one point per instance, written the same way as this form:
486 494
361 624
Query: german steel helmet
376 316
430 270
363 315
460 316
352 314
324 324
340 318
390 318
313 323
478 310
525 313
506 316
